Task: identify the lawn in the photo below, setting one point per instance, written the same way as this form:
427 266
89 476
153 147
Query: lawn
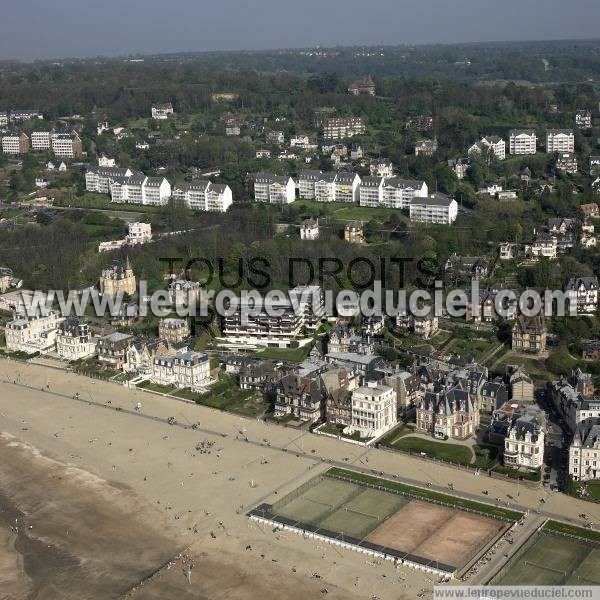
155 387
447 451
343 211
285 354
100 201
578 532
225 395
338 430
476 346
426 494
534 367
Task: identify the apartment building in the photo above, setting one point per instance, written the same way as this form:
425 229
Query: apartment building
338 128
560 140
311 304
522 141
99 179
274 189
373 410
276 138
66 145
346 187
306 184
41 140
32 334
3 119
366 85
488 147
140 189
183 370
435 208
19 114
276 324
162 111
15 143
325 187
74 340
204 195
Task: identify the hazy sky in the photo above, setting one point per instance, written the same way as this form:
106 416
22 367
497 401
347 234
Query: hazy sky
62 28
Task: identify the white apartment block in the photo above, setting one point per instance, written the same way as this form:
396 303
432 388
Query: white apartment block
15 143
274 189
139 233
346 187
66 145
184 370
560 140
74 341
139 189
325 188
32 334
391 192
339 128
373 410
436 208
99 179
306 184
489 146
522 141
204 195
41 140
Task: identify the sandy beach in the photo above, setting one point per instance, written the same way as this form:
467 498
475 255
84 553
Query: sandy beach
117 494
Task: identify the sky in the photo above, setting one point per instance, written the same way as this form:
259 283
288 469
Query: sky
32 29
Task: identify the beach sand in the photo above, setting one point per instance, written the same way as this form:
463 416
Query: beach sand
114 497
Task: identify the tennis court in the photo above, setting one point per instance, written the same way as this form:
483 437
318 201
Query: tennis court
552 559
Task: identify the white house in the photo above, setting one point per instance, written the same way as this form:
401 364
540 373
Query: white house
98 179
183 370
560 140
373 410
162 111
309 230
381 167
584 292
436 208
274 189
139 233
584 452
524 441
32 334
74 341
522 141
140 189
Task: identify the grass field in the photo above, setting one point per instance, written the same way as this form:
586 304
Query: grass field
454 453
553 559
